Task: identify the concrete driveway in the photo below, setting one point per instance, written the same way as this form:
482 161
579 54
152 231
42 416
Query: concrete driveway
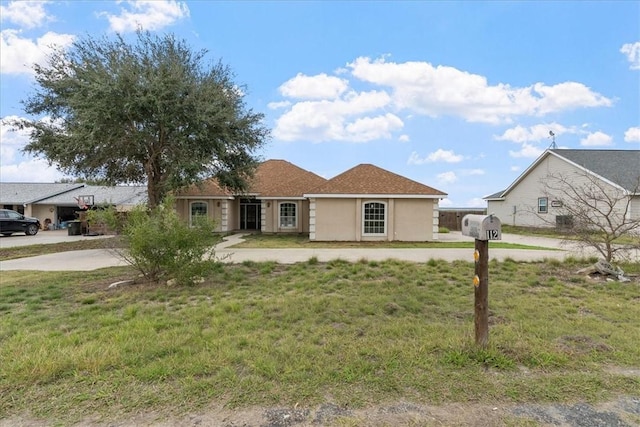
93 259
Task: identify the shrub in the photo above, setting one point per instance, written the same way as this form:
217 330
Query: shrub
161 246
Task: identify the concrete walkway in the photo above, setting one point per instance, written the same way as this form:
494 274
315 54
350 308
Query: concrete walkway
87 260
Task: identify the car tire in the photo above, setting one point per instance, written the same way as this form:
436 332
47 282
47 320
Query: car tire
32 230
7 234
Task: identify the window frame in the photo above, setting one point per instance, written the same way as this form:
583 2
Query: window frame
286 204
543 205
191 205
365 220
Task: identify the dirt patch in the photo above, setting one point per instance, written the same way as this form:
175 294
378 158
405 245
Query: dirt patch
622 412
581 344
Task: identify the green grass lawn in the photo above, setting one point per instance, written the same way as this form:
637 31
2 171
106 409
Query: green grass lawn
348 333
278 241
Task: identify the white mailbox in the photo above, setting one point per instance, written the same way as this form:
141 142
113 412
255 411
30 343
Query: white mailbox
482 227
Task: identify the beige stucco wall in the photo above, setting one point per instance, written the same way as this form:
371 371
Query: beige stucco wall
270 221
341 219
215 208
413 220
334 220
42 212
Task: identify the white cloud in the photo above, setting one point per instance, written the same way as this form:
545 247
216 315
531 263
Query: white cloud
15 166
632 134
596 139
148 15
320 86
371 128
11 141
442 90
440 155
340 120
25 14
536 133
632 51
18 55
514 168
31 170
470 172
325 106
447 178
278 105
445 203
527 151
476 202
404 138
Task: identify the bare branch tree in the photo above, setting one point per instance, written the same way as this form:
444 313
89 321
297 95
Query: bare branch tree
595 213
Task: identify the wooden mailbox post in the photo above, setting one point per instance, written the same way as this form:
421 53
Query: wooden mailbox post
483 228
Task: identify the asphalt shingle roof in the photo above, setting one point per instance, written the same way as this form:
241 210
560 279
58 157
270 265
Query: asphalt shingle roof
102 195
621 167
275 178
370 179
272 178
18 193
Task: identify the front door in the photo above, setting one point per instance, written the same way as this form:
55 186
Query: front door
250 214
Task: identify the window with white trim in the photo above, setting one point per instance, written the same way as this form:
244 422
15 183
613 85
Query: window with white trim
198 210
543 205
374 219
288 217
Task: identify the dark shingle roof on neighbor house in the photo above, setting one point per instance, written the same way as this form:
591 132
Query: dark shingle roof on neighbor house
64 194
367 179
120 195
21 193
622 167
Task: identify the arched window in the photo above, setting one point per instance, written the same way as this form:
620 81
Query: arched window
198 210
288 217
374 219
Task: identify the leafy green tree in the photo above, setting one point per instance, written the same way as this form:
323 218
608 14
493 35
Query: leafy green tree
148 111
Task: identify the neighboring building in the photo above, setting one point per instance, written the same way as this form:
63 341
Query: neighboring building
529 202
57 203
364 203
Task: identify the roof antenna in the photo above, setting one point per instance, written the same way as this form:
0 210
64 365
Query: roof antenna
553 140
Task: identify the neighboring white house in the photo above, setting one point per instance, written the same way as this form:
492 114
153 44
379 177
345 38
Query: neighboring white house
531 200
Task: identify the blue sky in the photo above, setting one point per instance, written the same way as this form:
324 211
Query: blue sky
460 96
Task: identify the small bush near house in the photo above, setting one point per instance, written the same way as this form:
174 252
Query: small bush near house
163 247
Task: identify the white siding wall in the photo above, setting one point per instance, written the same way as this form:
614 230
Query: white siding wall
634 211
520 206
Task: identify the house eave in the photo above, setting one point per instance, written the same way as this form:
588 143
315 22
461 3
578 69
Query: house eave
376 196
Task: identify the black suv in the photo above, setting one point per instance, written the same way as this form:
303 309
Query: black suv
14 222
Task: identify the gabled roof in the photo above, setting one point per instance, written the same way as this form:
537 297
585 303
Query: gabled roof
621 167
208 188
272 178
276 178
102 195
370 180
21 193
495 196
618 167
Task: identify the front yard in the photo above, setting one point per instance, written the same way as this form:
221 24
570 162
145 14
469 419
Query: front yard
338 333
